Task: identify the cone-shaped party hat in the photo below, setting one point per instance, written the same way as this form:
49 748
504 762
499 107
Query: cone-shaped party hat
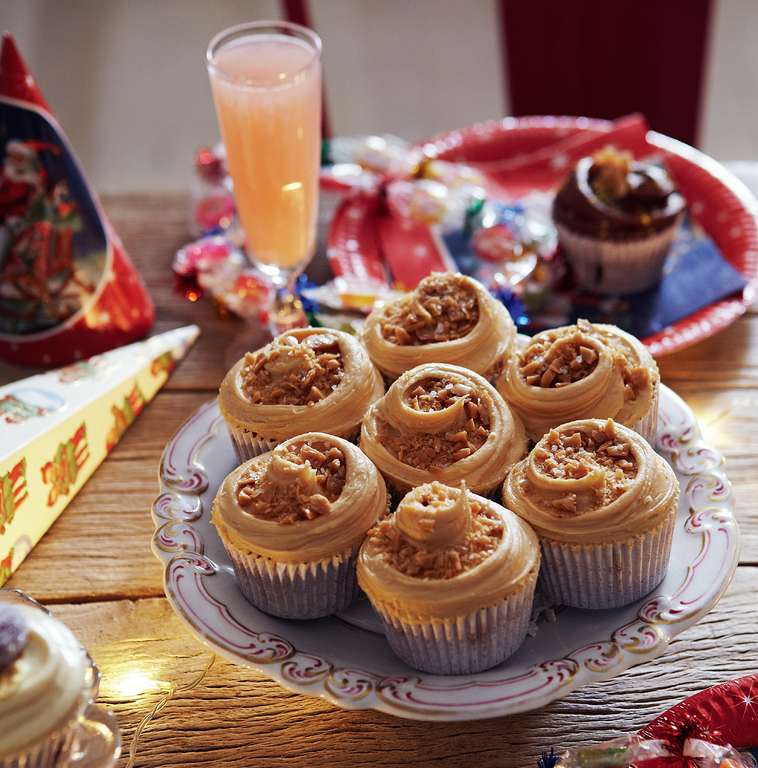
67 288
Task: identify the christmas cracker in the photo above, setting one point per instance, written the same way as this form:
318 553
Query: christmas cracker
57 427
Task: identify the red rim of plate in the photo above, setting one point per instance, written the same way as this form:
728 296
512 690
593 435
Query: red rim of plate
719 202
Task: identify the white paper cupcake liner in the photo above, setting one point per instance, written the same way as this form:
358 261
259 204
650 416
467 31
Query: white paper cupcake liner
606 575
248 445
647 426
49 753
302 591
468 644
622 266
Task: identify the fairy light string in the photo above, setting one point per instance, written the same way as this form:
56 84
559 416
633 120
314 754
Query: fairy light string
172 690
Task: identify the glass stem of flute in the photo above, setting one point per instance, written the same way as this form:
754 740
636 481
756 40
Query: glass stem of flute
287 311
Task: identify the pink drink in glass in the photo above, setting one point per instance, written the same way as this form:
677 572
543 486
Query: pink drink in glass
267 90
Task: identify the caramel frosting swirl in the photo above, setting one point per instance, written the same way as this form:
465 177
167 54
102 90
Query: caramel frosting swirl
448 318
638 370
579 371
486 552
270 392
301 503
592 481
442 422
435 516
46 687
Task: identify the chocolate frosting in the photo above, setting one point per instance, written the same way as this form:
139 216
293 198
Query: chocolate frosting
643 200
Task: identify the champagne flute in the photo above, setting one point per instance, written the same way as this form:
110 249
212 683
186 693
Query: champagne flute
266 83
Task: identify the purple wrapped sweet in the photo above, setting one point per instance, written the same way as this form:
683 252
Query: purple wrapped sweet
13 635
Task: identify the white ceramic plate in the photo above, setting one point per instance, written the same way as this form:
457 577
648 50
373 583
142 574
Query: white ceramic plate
345 661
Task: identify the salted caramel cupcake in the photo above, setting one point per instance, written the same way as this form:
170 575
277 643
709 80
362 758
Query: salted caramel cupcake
442 422
304 380
582 371
452 576
292 521
448 318
604 505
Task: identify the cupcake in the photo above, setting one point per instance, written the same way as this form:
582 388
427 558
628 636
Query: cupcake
452 576
582 371
604 504
449 318
304 380
47 686
442 422
616 220
292 521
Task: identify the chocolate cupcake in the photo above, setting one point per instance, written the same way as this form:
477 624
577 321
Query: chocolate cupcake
452 576
448 318
616 220
292 521
309 379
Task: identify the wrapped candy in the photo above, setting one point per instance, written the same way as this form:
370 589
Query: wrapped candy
67 287
386 156
639 752
217 265
211 199
349 294
426 201
621 752
417 185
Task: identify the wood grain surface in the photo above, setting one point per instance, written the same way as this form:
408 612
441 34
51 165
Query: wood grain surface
96 569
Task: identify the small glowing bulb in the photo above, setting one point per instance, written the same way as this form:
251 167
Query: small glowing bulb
131 684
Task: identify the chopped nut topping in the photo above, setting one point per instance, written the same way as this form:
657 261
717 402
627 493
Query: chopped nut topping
572 456
292 372
609 175
429 451
636 380
483 537
443 307
555 361
287 503
436 394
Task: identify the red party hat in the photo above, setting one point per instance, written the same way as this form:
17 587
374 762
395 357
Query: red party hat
67 288
15 79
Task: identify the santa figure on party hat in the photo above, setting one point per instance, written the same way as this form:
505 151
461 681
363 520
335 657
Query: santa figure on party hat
22 177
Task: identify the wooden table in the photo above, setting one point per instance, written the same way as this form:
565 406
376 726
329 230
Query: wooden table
96 570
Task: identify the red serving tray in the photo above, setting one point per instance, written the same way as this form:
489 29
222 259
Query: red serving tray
719 202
